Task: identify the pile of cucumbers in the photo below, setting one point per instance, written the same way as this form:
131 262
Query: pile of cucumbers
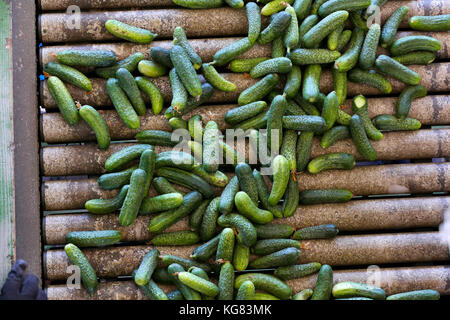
306 37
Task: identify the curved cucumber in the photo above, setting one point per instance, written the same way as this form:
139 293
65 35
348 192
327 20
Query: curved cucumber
323 28
291 197
331 161
130 63
156 137
330 109
334 134
360 108
87 58
369 48
275 123
303 295
241 256
87 273
151 69
391 25
122 104
204 251
248 209
98 238
216 80
280 167
304 145
69 75
179 38
239 114
349 289
361 140
195 219
333 37
198 284
278 48
415 43
274 6
135 195
63 100
185 70
192 102
186 179
370 78
340 85
405 99
430 23
302 8
179 92
161 203
280 258
254 21
297 270
293 82
129 33
246 232
396 70
325 196
122 157
267 246
309 22
247 182
246 291
263 194
266 282
350 58
344 38
95 120
288 148
387 122
226 282
226 204
162 186
245 65
152 92
103 206
161 56
186 291
291 37
275 65
276 28
116 180
209 221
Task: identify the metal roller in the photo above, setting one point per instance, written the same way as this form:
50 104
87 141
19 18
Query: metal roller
51 5
421 144
357 215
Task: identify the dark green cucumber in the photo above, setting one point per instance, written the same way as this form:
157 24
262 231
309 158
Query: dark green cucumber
349 5
324 284
122 104
211 147
239 114
129 33
124 156
245 65
246 291
311 82
216 80
63 100
360 108
323 28
163 186
333 37
185 70
217 178
293 109
135 195
304 145
248 209
334 134
349 289
69 75
226 282
87 58
301 56
304 123
275 123
176 159
325 231
274 231
187 292
186 179
291 37
179 38
330 109
175 238
307 106
283 257
291 197
230 52
161 203
325 196
344 38
147 267
331 161
349 59
416 295
195 219
293 82
161 275
209 221
116 180
156 137
87 273
357 20
204 251
98 238
430 23
387 122
95 120
415 43
297 270
369 49
199 4
275 29
254 21
268 246
152 92
241 256
161 56
130 63
405 99
396 70
289 147
302 8
275 65
259 90
153 291
226 204
246 232
175 295
278 48
361 140
263 194
309 22
226 246
167 259
391 25
151 69
257 122
103 206
281 173
247 182
316 5
265 282
370 78
340 85
416 57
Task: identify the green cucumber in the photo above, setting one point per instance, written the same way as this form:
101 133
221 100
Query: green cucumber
87 58
129 33
293 82
275 65
211 147
405 99
396 70
248 209
293 109
275 123
283 257
179 92
237 4
186 179
153 291
263 194
349 59
87 273
135 195
257 122
124 156
340 85
162 186
331 161
369 48
230 52
268 246
98 238
69 75
387 122
324 284
146 268
307 106
175 295
168 259
226 246
218 178
115 180
264 296
416 57
360 108
430 23
323 28
391 25
343 118
297 270
152 92
179 38
349 289
254 21
291 37
325 196
156 137
266 282
334 134
246 232
259 90
122 104
187 292
185 70
304 145
311 82
301 56
309 22
361 140
247 182
291 197
226 204
375 6
304 123
280 167
274 6
274 231
246 291
204 251
226 282
330 109
209 221
199 4
333 37
278 48
195 127
316 5
357 20
239 114
415 43
161 275
175 238
241 256
288 148
216 80
198 284
344 38
161 56
416 295
95 120
245 65
324 231
130 63
151 69
334 5
161 203
276 28
103 206
303 295
370 78
63 100
302 8
195 219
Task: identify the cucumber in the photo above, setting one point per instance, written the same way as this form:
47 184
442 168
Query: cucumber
405 99
135 195
293 82
151 69
313 56
122 157
156 137
291 197
331 161
186 179
335 5
192 102
375 6
103 206
195 219
116 180
265 282
257 122
241 255
199 4
161 56
179 92
162 186
325 196
161 275
324 231
87 58
263 194
387 122
289 147
230 154
302 8
278 48
187 292
148 265
323 28
176 238
280 258
267 246
324 284
304 145
130 63
361 140
415 43
303 295
226 246
330 109
161 203
280 167
248 209
333 37
95 120
216 80
291 37
175 295
122 104
153 291
343 118
152 92
396 70
391 25
198 284
259 90
344 38
211 147
307 106
297 270
334 134
416 57
275 123
340 85
237 4
360 108
274 231
309 22
254 21
164 220
226 282
69 75
416 295
247 182
185 70
357 20
316 5
204 251
311 82
195 127
230 52
245 65
264 296
430 23
275 65
349 289
369 49
87 273
168 259
274 6
293 109
304 123
246 291
129 33
246 232
226 203
349 59
239 114
98 238
179 38
276 28
370 78
218 178
209 221
63 100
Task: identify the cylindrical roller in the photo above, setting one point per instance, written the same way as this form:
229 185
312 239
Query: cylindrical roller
52 5
435 78
357 215
340 251
421 144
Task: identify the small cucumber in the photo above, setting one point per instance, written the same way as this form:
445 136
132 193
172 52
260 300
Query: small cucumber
87 58
209 221
405 99
259 90
146 268
130 63
313 56
324 231
186 179
266 282
179 92
226 246
349 59
391 25
135 195
264 296
304 123
103 206
241 256
226 282
369 48
161 275
230 52
248 209
185 70
267 246
168 259
309 22
152 92
263 195
343 118
218 178
349 289
179 38
176 238
297 270
291 197
387 122
245 65
333 37
357 20
124 156
278 48
323 28
69 75
151 69
334 134
288 148
360 108
116 180
216 80
430 23
211 147
276 28
396 70
303 295
199 4
195 127
95 120
247 182
375 6
195 219
293 82
161 56
311 82
98 238
416 295
274 231
274 6
316 5
226 203
161 203
204 251
129 33
246 232
307 106
280 167
175 295
275 65
284 257
257 122
304 145
416 57
324 284
275 123
361 140
153 291
156 137
236 4
415 43
331 6
87 273
239 114
162 186
291 37
246 291
63 100
122 104
344 38
254 21
325 196
330 109
340 85
198 284
370 78
293 109
331 161
302 8
187 292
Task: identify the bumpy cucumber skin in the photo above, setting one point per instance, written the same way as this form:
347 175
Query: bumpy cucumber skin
115 180
288 148
405 99
283 257
275 29
313 56
302 8
156 137
152 92
311 81
247 182
416 295
211 147
309 22
370 78
416 57
274 231
120 158
349 59
291 197
331 161
344 38
226 204
176 238
333 37
348 289
146 268
63 100
122 104
226 281
275 122
151 69
361 140
187 292
199 4
129 33
280 167
324 284
179 92
89 58
303 295
257 122
192 102
372 9
325 196
204 251
167 259
248 209
246 291
95 120
179 37
331 6
362 111
226 246
135 195
130 63
163 186
161 203
161 56
325 231
307 106
304 145
297 270
241 256
391 25
195 219
389 66
369 49
430 23
415 43
187 179
334 134
293 109
98 238
175 295
268 246
246 232
274 6
87 273
153 291
185 70
236 4
69 75
209 221
304 123
230 52
293 82
263 195
102 206
239 114
266 282
217 178
291 37
254 21
387 122
323 28
245 65
275 65
340 85
217 81
357 20
259 90
330 109
278 48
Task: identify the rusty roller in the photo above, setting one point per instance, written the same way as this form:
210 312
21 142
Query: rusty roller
435 78
374 214
421 144
52 26
392 280
362 180
340 251
52 5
